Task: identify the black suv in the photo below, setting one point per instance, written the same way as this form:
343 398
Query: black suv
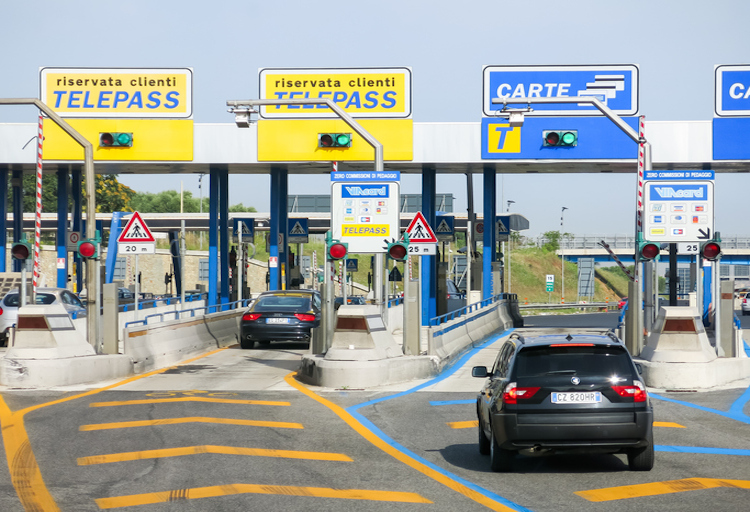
559 393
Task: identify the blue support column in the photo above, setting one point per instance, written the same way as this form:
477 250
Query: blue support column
17 183
428 264
213 239
77 191
488 253
3 218
283 226
115 228
274 272
62 226
223 175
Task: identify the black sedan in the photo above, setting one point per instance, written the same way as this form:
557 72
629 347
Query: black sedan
281 315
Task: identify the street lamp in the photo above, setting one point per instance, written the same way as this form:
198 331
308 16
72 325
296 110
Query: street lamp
509 203
562 251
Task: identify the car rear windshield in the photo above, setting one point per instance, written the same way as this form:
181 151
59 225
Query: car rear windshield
14 299
582 361
282 304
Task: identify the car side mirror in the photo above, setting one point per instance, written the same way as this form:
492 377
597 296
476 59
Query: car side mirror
480 372
639 367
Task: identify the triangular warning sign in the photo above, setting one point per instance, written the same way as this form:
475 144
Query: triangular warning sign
136 231
501 227
443 227
297 229
420 232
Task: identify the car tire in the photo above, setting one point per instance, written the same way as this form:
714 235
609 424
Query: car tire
642 459
246 344
484 443
500 460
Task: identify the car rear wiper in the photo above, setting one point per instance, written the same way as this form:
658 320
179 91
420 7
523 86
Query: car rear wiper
555 372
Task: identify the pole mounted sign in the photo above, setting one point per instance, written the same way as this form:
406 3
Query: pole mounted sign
136 238
679 206
616 86
422 239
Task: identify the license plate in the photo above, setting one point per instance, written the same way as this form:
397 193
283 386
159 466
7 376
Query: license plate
277 320
588 397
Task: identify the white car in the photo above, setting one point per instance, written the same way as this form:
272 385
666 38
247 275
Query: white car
10 303
745 303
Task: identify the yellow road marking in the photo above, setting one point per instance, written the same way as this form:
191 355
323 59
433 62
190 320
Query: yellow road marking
393 452
463 424
193 419
24 470
668 424
282 490
188 399
657 488
222 450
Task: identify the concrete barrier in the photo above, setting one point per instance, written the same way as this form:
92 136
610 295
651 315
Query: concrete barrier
157 346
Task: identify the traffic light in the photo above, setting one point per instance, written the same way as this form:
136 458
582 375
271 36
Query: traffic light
399 251
560 138
334 140
115 140
647 251
335 250
89 248
711 249
21 250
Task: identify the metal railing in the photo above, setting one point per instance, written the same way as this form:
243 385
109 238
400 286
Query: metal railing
570 305
228 306
620 242
463 311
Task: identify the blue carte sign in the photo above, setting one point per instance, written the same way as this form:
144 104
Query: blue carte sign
732 90
616 86
598 138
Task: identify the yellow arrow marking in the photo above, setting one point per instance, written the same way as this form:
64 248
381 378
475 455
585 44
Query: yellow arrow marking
668 424
222 450
282 490
193 419
188 399
657 488
463 424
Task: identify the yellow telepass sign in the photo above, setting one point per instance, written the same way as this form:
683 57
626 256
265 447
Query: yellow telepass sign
361 92
118 92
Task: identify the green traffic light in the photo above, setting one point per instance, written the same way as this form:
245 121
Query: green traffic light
343 139
124 139
569 138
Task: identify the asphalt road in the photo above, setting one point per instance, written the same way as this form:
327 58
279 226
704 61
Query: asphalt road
234 431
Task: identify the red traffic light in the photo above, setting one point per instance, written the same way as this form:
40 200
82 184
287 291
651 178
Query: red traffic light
21 251
397 251
337 251
711 250
87 249
650 251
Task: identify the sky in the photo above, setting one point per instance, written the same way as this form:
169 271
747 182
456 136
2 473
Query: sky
675 43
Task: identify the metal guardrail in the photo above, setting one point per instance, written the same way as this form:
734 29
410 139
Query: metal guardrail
622 242
463 311
571 305
228 306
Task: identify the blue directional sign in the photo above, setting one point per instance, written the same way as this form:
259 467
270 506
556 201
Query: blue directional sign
616 86
352 265
597 138
247 226
732 90
730 136
445 230
297 232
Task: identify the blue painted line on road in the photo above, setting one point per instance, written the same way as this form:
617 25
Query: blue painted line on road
734 413
701 449
447 372
452 402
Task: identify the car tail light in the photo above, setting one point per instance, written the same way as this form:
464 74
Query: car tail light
637 391
1 311
251 316
513 393
305 317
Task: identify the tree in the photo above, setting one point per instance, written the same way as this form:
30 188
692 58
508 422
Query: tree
111 195
553 241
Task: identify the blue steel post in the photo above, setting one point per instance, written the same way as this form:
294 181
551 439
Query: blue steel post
3 217
114 233
488 253
213 238
62 226
275 228
17 184
284 225
224 234
428 265
76 190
